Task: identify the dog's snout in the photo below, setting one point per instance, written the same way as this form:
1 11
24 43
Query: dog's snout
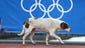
68 29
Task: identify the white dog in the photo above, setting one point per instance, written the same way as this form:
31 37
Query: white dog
43 24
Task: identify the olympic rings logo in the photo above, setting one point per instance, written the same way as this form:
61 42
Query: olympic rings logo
50 8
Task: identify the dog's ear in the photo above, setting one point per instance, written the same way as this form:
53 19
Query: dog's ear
63 25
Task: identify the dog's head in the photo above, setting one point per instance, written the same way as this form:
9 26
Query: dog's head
64 26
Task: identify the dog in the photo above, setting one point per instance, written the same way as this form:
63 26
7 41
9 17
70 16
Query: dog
43 24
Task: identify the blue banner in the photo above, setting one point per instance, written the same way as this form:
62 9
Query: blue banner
14 12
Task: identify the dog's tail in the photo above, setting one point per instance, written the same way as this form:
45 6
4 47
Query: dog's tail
25 25
23 31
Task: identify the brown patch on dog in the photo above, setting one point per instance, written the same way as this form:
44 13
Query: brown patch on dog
33 30
27 23
63 25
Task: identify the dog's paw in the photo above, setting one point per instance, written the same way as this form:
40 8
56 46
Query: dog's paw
62 42
47 44
23 43
33 43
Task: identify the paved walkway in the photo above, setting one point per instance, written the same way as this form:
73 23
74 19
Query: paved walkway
15 45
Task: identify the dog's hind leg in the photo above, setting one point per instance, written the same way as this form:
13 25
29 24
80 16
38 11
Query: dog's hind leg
32 34
28 31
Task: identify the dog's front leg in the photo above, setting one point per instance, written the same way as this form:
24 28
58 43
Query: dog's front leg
57 37
32 34
47 38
